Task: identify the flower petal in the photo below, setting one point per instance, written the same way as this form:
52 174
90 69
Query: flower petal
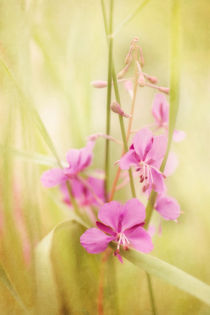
73 157
79 159
167 207
53 177
158 184
111 214
179 135
87 154
97 190
95 241
140 239
128 159
142 142
133 214
160 109
171 164
105 228
156 153
78 191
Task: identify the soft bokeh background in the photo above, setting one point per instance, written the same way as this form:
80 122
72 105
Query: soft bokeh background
54 50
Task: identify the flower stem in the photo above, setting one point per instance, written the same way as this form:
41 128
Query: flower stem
133 102
72 199
174 94
124 138
109 94
151 294
122 128
108 30
117 176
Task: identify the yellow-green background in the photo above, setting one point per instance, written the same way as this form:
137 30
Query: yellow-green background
54 50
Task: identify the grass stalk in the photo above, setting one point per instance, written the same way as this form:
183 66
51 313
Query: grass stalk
174 93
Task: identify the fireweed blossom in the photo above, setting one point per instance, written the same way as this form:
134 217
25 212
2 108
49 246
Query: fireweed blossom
119 223
90 193
167 207
146 153
160 112
82 189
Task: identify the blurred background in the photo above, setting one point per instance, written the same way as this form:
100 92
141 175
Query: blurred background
50 51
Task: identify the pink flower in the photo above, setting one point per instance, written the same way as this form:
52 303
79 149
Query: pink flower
160 111
78 160
88 192
167 207
119 223
146 153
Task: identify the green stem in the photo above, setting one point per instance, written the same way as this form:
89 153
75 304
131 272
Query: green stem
174 94
72 199
122 128
108 102
117 95
149 281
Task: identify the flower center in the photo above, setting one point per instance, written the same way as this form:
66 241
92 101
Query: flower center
145 175
122 240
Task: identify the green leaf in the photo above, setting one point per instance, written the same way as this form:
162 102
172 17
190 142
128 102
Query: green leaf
130 16
29 106
169 273
46 277
65 272
33 157
47 300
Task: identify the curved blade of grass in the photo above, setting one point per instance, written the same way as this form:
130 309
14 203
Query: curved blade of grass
130 17
48 301
154 266
37 158
28 105
8 284
170 274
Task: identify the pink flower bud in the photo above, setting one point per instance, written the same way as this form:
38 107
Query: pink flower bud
99 84
115 107
123 71
150 78
141 79
159 88
164 89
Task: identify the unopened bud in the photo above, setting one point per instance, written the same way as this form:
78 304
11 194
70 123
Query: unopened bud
159 88
141 79
99 84
164 89
115 107
128 57
123 71
134 40
150 78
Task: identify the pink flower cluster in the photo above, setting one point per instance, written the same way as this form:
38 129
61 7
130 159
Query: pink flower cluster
123 224
86 190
